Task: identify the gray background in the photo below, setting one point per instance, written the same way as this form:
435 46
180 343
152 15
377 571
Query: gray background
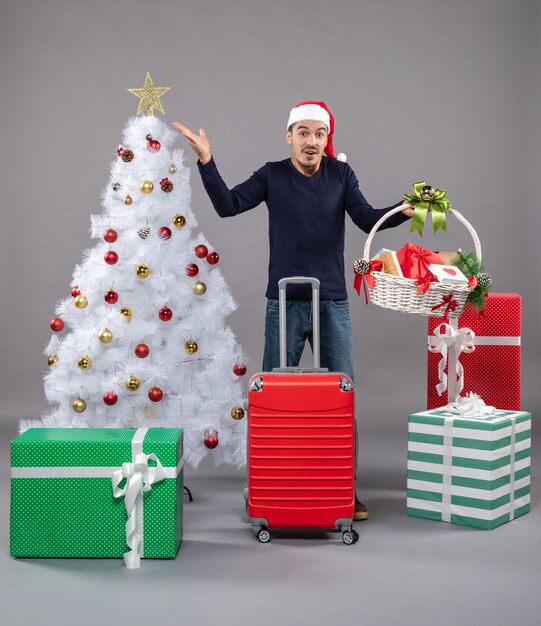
420 89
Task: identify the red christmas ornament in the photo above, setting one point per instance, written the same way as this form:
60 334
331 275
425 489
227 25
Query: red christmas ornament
165 314
75 291
239 369
110 296
164 232
192 269
142 350
213 258
155 394
211 438
110 235
57 324
110 257
201 251
154 145
110 398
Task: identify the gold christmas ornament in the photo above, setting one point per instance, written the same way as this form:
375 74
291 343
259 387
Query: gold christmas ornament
172 168
81 302
190 347
78 405
427 193
149 96
52 360
84 362
142 271
126 313
146 186
199 288
105 335
128 200
133 383
237 413
179 221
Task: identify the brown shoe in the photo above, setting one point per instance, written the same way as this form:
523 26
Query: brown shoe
361 512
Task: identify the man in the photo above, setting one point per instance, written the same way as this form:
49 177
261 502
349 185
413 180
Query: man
307 197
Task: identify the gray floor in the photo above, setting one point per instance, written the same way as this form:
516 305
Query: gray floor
402 571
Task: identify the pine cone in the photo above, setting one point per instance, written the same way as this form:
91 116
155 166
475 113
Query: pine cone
361 266
144 232
166 185
127 155
484 281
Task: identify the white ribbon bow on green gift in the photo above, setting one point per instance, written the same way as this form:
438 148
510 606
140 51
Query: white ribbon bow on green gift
139 478
470 405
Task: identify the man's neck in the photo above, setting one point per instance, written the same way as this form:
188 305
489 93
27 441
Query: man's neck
306 171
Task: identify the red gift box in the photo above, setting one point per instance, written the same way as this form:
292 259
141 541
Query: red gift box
414 260
488 358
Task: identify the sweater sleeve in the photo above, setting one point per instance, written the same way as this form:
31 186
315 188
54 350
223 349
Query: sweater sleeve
242 197
361 212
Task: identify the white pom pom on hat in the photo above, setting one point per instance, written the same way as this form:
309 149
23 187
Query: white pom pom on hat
318 111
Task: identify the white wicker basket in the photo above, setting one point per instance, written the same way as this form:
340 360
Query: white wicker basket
400 294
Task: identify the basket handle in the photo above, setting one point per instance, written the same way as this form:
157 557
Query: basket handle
459 217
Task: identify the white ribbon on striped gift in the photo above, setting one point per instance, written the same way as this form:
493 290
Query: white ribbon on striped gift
447 468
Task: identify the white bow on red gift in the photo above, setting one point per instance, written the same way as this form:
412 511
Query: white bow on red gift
462 340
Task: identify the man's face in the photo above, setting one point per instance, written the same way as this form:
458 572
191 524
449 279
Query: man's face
307 139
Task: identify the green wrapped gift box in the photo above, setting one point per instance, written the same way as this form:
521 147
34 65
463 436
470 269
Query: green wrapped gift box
94 492
469 470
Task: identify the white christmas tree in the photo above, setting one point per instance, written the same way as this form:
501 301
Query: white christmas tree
142 339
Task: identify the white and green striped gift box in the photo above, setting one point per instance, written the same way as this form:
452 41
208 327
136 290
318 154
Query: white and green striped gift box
466 470
71 487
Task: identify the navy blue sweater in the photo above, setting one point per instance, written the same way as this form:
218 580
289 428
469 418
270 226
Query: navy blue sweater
306 219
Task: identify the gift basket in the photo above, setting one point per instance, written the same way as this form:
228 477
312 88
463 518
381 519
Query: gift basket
422 292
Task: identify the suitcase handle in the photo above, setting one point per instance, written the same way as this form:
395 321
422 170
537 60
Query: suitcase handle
282 284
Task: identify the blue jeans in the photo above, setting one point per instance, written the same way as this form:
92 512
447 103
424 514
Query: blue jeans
335 334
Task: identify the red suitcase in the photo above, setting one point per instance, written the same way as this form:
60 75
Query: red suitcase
301 442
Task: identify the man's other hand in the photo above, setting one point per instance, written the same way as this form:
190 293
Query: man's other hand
199 143
407 209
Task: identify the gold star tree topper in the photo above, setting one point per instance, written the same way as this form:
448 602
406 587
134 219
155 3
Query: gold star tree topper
149 96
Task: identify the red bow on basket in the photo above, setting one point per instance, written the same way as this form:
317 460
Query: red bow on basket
451 305
363 271
423 283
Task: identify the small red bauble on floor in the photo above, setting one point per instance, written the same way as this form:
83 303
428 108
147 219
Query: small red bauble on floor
210 438
201 251
142 350
155 394
75 291
164 232
165 314
239 369
110 257
213 258
110 296
57 324
110 398
192 269
110 235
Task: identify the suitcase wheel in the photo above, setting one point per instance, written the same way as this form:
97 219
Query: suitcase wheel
264 535
349 537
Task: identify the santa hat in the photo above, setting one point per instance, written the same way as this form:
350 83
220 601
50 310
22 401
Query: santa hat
319 112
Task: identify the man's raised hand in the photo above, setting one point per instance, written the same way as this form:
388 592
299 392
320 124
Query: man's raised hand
199 143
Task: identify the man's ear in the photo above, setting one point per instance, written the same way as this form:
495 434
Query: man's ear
288 137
